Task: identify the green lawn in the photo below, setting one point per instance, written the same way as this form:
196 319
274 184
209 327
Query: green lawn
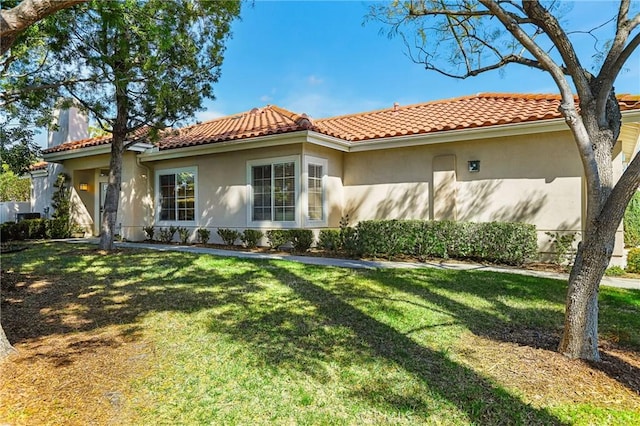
274 342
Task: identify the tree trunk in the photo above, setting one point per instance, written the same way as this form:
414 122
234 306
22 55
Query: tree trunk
580 337
112 196
118 136
5 346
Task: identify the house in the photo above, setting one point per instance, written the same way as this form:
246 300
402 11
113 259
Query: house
486 157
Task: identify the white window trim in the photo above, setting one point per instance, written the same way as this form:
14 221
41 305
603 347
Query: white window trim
308 159
177 170
296 174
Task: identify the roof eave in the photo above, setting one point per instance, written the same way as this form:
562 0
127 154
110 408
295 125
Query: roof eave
448 136
266 141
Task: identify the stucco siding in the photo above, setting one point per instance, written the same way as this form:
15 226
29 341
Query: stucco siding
393 183
534 179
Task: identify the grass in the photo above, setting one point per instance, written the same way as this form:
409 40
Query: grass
144 337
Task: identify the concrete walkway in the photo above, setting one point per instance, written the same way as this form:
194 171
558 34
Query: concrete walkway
367 264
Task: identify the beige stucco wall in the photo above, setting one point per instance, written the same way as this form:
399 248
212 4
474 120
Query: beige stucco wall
134 198
221 186
534 179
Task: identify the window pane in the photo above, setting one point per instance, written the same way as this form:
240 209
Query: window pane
167 197
177 196
315 194
261 185
273 188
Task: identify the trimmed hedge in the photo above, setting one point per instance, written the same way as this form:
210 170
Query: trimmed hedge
633 260
500 242
35 229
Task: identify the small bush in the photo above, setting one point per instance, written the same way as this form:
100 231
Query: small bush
229 236
183 233
166 234
564 250
203 235
58 228
633 261
614 271
632 222
149 231
250 237
330 240
278 237
302 239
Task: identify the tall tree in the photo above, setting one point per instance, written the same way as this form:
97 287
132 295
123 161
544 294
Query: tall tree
135 65
464 38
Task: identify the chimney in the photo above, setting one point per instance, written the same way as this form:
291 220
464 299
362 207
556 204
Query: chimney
72 125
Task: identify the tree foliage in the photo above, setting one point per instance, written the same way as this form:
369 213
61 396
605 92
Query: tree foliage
464 38
134 65
13 187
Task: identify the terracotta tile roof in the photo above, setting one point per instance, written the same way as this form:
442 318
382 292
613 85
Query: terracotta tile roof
137 135
40 165
482 110
257 122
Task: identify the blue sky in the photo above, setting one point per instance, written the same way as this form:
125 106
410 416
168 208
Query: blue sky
317 57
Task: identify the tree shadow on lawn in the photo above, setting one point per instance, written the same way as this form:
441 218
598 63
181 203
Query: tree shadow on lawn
313 325
59 298
538 328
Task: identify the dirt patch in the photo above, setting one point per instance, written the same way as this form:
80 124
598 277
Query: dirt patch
61 373
546 378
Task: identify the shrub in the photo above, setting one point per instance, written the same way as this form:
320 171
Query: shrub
564 251
250 237
614 271
330 240
183 233
501 242
166 234
301 239
58 228
37 228
632 222
229 236
278 237
633 260
149 231
203 235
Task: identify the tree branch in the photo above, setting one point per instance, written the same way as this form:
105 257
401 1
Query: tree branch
550 25
17 19
616 58
567 107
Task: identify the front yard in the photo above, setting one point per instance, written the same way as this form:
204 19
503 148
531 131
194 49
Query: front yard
146 337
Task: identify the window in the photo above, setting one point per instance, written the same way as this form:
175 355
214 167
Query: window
176 195
273 190
315 193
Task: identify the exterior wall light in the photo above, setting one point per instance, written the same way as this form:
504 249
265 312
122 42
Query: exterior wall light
84 186
474 166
